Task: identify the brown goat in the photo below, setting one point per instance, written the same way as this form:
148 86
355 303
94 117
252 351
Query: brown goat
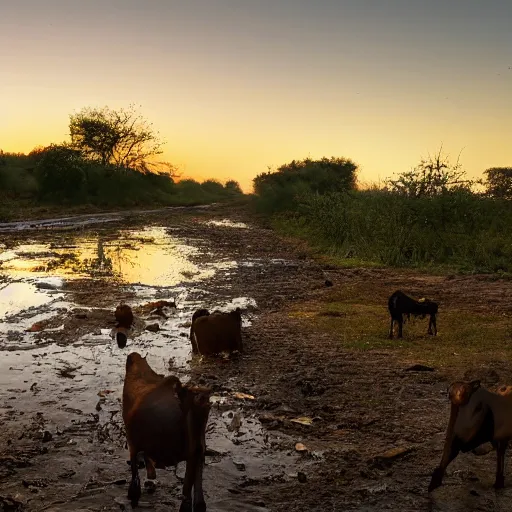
216 332
124 319
477 416
166 422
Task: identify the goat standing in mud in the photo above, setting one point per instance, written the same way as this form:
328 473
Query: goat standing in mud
124 319
400 304
216 332
166 421
477 416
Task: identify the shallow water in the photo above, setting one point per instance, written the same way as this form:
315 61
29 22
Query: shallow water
78 377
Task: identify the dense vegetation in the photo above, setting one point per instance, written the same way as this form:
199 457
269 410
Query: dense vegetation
429 216
110 161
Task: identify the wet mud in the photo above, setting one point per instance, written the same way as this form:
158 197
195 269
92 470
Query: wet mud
298 423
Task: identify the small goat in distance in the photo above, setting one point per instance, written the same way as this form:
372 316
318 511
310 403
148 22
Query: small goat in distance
399 304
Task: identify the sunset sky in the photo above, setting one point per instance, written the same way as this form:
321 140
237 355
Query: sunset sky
235 86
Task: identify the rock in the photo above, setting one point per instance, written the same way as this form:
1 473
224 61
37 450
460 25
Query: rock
239 465
420 368
47 436
46 286
270 418
153 327
299 447
483 449
236 422
393 454
37 327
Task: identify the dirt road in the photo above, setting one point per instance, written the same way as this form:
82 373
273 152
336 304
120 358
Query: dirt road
317 364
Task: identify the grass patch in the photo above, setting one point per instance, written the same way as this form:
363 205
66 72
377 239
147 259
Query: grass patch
454 232
361 322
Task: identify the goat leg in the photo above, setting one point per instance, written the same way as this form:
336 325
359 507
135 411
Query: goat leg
450 451
199 503
400 326
134 491
500 465
190 473
391 328
432 328
150 468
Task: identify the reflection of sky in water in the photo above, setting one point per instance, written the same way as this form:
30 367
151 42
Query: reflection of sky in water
148 256
16 297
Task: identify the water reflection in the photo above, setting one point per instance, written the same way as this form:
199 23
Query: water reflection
150 257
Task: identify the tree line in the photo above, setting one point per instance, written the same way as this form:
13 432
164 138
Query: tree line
431 215
111 158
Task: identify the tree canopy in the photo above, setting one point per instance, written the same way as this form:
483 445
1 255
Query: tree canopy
121 138
499 182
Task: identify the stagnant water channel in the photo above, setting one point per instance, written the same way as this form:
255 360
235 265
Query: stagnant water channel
66 383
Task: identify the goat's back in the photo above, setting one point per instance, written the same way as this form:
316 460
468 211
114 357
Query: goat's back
139 380
156 424
218 332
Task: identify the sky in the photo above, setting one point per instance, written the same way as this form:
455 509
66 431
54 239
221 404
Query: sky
238 86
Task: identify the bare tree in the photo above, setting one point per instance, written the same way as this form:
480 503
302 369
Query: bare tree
122 138
165 168
432 176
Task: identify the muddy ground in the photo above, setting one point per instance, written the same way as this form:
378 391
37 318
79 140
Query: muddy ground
372 429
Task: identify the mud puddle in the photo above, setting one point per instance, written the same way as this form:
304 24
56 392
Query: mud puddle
82 221
61 374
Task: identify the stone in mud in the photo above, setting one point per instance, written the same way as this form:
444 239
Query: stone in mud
420 368
47 436
46 286
483 449
239 465
393 454
236 422
152 327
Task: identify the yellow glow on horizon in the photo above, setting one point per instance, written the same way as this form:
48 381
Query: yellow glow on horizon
237 137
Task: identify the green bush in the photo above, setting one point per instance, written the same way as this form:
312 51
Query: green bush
61 174
283 190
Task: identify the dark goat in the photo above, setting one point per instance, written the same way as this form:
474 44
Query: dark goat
477 416
124 319
166 423
216 332
197 314
400 304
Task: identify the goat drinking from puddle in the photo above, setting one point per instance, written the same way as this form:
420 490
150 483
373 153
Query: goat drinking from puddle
124 322
217 332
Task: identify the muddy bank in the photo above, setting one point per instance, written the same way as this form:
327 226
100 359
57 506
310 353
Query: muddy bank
62 445
371 430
